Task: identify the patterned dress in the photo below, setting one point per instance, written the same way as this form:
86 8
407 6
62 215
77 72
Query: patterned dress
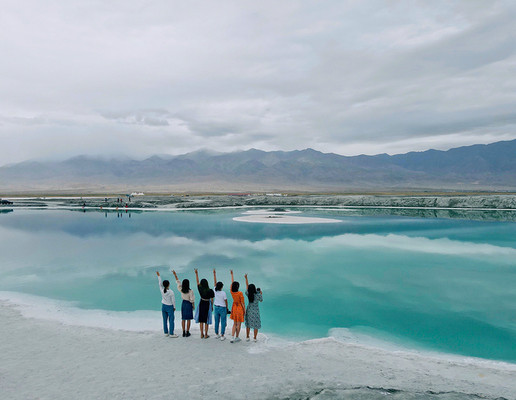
252 315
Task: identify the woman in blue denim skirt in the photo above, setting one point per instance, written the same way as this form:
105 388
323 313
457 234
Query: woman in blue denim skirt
188 304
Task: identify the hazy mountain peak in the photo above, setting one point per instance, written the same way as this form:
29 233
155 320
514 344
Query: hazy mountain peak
253 151
199 154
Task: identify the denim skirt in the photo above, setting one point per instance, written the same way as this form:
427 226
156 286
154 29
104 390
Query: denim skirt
186 310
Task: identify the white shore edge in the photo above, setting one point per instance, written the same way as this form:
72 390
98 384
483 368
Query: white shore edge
52 359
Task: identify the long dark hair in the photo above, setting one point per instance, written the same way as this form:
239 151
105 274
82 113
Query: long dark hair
204 288
235 286
251 291
166 284
185 286
219 286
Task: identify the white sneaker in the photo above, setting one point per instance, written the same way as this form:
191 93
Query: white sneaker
255 340
232 340
238 340
247 339
173 336
222 338
217 337
166 334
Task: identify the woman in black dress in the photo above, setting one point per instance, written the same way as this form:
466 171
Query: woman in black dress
207 296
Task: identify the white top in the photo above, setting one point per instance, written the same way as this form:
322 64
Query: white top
167 298
220 296
186 296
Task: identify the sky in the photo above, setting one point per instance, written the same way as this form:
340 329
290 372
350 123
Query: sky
138 78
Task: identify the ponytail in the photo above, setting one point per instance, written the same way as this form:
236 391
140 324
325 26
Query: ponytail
166 284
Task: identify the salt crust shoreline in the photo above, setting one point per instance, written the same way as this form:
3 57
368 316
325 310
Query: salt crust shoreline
321 207
48 360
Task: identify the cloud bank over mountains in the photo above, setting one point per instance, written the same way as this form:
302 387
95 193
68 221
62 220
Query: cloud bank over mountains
350 77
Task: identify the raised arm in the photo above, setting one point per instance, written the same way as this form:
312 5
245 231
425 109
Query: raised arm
159 281
246 283
197 276
232 279
214 277
178 282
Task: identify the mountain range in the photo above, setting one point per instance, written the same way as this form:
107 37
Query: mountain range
477 167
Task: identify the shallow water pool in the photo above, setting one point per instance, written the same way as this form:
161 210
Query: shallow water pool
446 285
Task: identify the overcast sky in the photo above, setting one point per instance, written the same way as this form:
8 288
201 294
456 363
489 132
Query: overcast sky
350 77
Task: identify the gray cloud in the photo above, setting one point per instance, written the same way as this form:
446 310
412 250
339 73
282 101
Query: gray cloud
38 120
141 117
343 76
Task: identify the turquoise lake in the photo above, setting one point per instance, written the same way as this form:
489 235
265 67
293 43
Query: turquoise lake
446 285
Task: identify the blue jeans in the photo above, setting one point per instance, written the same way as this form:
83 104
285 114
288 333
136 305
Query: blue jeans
220 315
168 315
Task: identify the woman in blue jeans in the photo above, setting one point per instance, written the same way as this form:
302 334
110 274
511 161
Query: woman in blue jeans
168 305
221 308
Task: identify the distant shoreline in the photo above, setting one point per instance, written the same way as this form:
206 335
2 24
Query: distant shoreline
417 193
433 201
485 207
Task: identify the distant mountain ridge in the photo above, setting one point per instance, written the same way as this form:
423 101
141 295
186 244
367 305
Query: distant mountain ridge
477 167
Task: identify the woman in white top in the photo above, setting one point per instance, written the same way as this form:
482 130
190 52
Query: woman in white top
188 304
221 307
168 304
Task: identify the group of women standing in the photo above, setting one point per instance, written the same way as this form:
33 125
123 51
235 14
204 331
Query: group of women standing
212 302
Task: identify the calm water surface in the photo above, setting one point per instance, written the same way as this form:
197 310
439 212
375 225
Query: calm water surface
438 284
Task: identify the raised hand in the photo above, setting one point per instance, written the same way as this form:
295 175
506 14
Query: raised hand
157 273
